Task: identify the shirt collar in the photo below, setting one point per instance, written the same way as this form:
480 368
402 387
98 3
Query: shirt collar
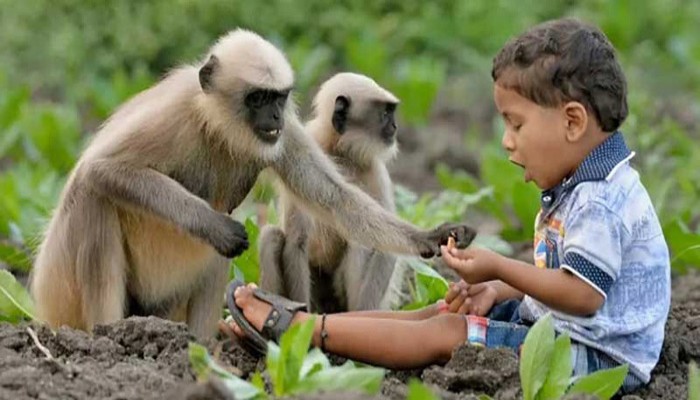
600 164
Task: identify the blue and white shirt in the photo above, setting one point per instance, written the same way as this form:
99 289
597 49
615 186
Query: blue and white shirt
601 226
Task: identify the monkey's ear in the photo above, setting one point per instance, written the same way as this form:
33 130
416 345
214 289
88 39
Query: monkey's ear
340 113
206 73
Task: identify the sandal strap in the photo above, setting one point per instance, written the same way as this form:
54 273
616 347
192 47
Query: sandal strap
280 316
273 299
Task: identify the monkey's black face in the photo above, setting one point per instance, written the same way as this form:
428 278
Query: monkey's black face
378 119
266 113
387 122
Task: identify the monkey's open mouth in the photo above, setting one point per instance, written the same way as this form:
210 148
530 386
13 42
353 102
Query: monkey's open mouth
269 136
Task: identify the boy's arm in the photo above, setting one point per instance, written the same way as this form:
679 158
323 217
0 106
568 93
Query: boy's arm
556 288
505 292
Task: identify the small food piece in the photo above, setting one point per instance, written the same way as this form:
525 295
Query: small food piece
450 243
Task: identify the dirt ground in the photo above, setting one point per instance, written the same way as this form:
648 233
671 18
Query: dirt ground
146 358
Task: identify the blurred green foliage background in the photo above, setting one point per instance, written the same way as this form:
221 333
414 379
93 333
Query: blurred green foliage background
66 64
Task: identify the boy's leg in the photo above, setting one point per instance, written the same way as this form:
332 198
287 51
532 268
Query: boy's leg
414 315
390 343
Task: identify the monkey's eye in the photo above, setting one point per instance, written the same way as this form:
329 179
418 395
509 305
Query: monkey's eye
256 99
388 111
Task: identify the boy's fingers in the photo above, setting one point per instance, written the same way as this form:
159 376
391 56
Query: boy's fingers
465 307
477 288
462 253
453 262
458 301
451 294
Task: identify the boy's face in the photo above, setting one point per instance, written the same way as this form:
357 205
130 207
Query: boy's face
535 138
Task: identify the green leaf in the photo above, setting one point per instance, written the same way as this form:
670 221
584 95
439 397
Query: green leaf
416 82
693 382
536 356
683 243
367 54
275 367
12 255
8 140
247 263
258 381
15 302
526 203
560 370
430 285
204 366
418 391
295 344
284 363
457 180
423 269
604 383
313 362
345 377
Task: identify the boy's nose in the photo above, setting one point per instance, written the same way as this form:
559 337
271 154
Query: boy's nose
507 142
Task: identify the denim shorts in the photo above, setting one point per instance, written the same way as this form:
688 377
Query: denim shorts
503 327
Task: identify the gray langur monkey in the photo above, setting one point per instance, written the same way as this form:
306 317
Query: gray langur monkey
143 224
354 123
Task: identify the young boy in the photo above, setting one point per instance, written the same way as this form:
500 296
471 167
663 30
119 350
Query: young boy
601 261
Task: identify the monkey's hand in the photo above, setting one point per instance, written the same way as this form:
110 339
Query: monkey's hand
462 235
231 239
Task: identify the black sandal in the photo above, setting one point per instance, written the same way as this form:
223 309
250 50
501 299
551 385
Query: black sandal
276 323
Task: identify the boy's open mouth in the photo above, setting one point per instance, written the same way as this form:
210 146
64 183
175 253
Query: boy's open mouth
517 163
527 175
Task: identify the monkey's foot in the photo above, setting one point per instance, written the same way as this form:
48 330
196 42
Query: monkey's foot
260 316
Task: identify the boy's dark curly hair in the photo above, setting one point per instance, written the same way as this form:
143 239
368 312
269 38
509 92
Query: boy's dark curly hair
565 60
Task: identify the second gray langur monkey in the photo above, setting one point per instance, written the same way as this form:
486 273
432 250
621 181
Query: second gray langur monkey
354 124
143 224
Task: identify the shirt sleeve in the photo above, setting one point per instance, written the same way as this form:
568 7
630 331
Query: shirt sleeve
593 245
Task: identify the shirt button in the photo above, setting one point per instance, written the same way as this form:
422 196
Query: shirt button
547 199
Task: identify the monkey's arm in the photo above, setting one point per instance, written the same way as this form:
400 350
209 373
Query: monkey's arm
310 177
154 192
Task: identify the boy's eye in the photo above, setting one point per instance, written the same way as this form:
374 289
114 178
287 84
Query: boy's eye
517 127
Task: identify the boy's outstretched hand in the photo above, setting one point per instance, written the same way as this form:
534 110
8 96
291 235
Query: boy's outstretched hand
474 265
464 298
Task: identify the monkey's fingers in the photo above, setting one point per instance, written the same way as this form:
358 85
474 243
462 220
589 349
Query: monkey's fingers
463 236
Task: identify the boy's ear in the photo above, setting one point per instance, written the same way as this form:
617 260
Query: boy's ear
576 119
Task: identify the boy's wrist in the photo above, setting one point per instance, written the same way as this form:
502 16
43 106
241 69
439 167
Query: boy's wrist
499 266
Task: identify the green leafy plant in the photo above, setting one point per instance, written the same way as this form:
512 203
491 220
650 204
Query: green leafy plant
684 244
205 367
693 382
15 302
295 369
418 391
428 285
292 369
509 199
546 367
246 266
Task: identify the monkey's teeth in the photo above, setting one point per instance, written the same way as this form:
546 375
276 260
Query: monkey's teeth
275 132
